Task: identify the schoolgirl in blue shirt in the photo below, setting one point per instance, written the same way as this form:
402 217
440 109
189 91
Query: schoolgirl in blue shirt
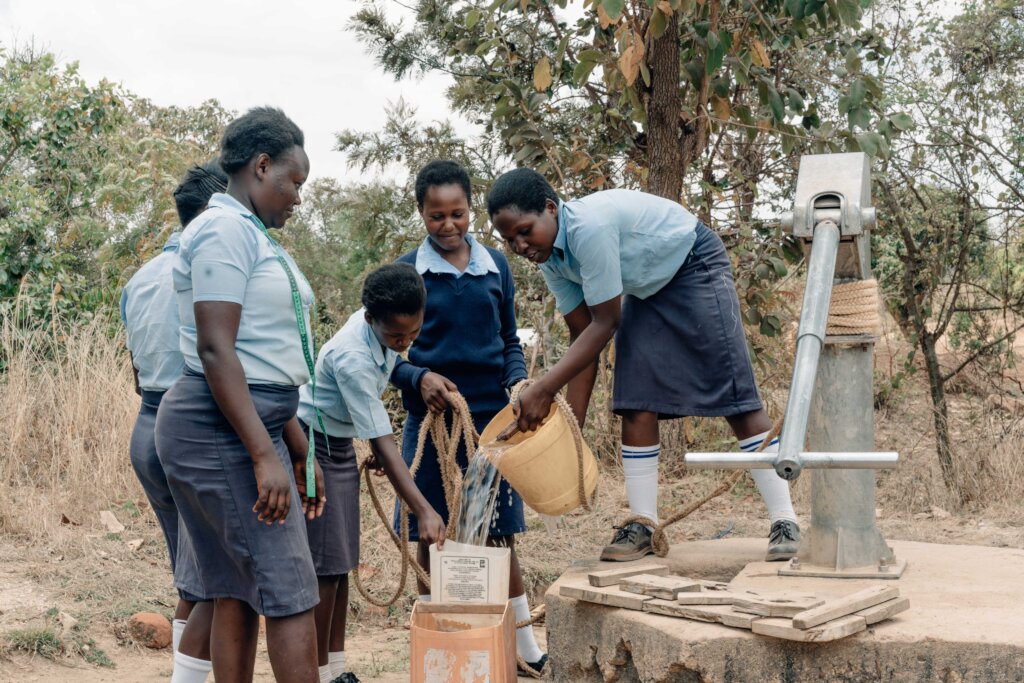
225 429
352 372
468 344
644 270
149 310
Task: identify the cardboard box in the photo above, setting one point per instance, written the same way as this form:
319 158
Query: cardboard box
462 643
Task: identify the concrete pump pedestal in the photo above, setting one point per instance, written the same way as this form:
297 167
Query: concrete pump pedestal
965 624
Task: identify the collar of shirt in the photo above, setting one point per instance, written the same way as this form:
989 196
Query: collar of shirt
480 260
561 239
173 241
381 355
222 200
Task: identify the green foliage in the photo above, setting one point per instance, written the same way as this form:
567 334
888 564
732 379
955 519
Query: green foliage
86 174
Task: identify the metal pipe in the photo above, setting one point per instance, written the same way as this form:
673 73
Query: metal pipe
884 460
810 339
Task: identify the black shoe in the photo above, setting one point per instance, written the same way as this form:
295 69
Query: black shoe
537 667
347 677
783 541
631 542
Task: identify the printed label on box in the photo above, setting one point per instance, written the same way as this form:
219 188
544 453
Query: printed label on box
464 578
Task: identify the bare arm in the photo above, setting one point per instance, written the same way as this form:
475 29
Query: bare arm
579 363
216 330
388 457
135 374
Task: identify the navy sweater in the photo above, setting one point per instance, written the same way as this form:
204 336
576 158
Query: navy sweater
469 335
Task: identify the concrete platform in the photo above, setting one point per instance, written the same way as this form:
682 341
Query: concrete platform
965 624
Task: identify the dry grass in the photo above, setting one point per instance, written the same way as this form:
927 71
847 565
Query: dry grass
66 411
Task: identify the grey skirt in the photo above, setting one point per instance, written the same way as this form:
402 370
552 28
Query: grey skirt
334 536
142 450
682 351
224 551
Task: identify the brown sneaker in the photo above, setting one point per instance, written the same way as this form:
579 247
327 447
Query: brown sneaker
631 542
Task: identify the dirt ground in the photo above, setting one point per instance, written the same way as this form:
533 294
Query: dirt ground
101 591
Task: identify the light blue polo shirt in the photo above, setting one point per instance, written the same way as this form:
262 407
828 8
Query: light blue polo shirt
149 311
480 260
352 372
223 256
616 242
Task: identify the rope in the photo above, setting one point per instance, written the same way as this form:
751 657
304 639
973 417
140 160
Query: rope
447 445
853 309
659 540
577 440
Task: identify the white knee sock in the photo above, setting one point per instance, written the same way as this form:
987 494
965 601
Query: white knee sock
189 669
640 467
325 673
177 628
773 488
336 660
526 643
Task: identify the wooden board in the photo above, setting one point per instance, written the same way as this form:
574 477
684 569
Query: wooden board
847 604
607 595
610 577
830 630
777 605
664 587
718 614
875 614
713 597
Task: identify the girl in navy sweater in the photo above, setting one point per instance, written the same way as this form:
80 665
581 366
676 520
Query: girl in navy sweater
468 344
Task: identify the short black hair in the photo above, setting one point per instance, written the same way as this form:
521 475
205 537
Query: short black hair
523 189
442 172
196 188
394 289
262 129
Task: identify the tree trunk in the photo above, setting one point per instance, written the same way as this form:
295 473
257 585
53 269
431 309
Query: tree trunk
664 146
940 414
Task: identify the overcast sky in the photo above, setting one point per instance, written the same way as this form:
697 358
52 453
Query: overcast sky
297 56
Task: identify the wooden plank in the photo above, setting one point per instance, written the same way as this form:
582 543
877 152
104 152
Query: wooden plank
718 614
610 577
713 597
777 605
847 604
823 633
664 587
607 595
875 614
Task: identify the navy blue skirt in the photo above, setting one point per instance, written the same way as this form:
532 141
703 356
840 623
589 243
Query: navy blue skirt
508 518
682 351
334 535
224 551
142 450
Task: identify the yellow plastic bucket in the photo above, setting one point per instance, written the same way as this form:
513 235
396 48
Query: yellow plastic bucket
542 466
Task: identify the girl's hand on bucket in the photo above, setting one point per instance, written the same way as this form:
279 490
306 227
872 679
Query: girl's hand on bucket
435 388
534 405
431 528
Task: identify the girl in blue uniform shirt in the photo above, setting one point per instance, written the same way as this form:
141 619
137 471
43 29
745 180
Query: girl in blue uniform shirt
644 270
225 429
352 372
468 344
149 310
